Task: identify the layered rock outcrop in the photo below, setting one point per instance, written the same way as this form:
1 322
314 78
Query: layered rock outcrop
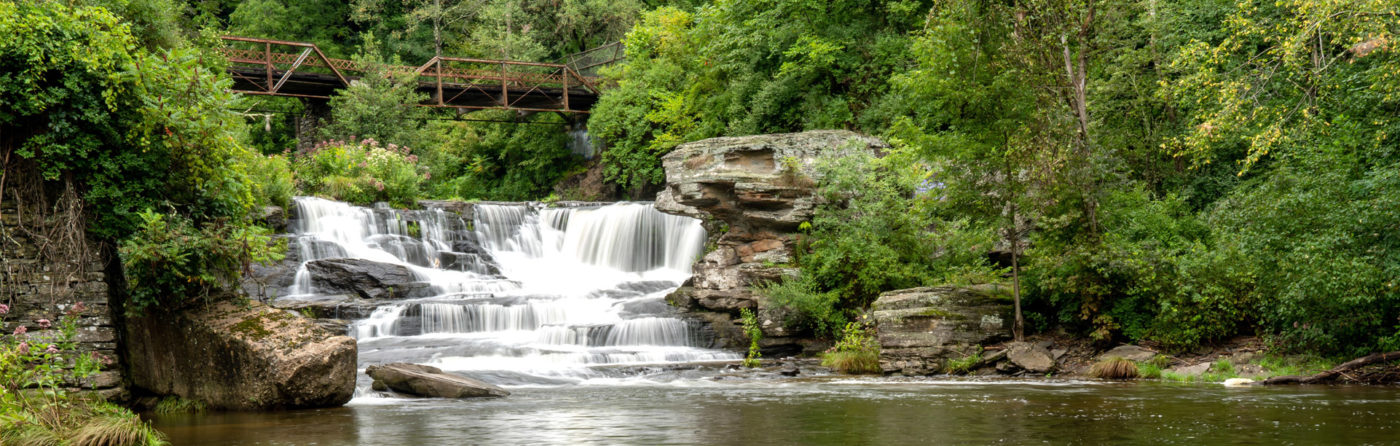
920 329
753 192
240 356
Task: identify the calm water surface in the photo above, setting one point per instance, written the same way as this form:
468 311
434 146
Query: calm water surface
831 411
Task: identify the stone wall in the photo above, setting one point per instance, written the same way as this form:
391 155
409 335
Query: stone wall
39 289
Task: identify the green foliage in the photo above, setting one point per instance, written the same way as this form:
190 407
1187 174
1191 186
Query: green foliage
752 330
131 128
738 68
272 180
965 364
1148 370
499 160
381 105
170 262
360 172
874 234
857 351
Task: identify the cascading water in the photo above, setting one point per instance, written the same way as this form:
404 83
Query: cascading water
521 294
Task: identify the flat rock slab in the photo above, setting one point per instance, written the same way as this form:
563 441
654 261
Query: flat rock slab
1129 352
1029 357
1191 370
428 381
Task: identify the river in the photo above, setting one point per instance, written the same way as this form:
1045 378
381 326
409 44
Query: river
565 307
831 410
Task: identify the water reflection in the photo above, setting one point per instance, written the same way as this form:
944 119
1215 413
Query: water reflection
689 411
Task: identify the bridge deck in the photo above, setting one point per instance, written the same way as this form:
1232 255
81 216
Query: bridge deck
448 81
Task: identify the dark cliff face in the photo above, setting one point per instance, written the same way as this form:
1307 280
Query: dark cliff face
758 190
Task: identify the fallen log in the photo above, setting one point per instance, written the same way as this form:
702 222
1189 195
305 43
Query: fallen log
1335 371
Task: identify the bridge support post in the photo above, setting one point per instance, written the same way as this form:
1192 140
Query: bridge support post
315 114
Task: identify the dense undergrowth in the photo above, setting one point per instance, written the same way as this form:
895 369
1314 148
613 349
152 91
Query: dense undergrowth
1173 173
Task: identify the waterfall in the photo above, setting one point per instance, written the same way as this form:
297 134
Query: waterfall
526 292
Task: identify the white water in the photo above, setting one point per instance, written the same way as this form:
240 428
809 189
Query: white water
551 293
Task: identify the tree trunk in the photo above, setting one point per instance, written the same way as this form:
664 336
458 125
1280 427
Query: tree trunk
1019 330
437 28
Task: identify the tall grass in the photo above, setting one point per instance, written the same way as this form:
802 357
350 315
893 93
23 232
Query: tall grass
1114 368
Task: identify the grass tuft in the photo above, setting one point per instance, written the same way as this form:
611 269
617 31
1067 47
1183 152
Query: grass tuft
1149 370
116 430
177 405
855 362
1114 368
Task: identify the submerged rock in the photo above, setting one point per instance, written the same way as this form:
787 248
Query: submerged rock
422 380
366 278
762 188
241 356
920 329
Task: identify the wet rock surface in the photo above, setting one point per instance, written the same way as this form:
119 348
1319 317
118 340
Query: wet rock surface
427 381
365 278
754 192
241 356
920 329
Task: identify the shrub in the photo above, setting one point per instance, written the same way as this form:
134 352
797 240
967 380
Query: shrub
1114 368
169 262
750 322
271 176
871 234
858 351
361 172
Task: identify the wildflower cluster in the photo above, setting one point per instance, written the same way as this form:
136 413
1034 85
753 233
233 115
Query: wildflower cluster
35 359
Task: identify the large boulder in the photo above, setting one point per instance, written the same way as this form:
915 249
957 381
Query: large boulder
365 278
754 192
428 381
240 356
1032 358
920 329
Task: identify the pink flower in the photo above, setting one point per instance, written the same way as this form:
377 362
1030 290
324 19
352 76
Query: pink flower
23 348
51 350
379 186
413 158
44 323
21 330
427 175
4 308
